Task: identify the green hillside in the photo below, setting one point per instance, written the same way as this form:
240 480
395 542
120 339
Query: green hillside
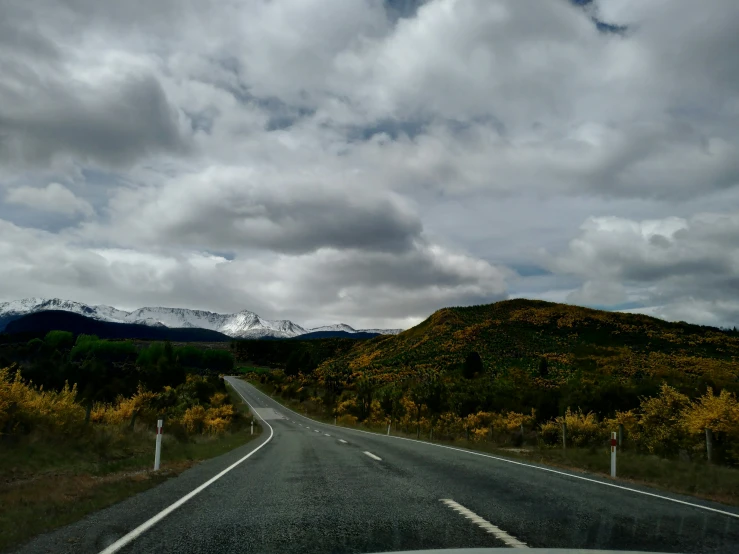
516 371
598 360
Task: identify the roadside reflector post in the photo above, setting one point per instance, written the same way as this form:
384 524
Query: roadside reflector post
388 428
158 450
614 442
564 436
252 426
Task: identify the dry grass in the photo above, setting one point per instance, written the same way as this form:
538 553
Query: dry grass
47 483
35 505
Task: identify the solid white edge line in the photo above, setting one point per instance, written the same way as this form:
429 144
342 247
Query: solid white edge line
484 524
506 460
371 455
131 535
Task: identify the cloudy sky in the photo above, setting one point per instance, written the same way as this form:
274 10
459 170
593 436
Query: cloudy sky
371 161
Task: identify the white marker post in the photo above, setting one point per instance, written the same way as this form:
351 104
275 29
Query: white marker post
613 454
388 429
158 451
252 426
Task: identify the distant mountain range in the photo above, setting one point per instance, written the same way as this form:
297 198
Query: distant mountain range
244 324
37 324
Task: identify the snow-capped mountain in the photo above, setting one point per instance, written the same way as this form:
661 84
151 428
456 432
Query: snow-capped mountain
244 324
349 329
339 327
382 331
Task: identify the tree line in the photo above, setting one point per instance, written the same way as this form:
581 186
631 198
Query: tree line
104 370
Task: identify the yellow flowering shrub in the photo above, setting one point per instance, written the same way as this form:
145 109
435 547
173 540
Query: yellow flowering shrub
512 421
583 429
661 421
25 407
217 419
377 414
718 413
479 435
125 407
218 399
194 419
550 432
346 419
346 407
449 423
630 420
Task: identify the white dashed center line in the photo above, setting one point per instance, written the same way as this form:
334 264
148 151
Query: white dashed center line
484 524
327 434
316 431
342 440
371 455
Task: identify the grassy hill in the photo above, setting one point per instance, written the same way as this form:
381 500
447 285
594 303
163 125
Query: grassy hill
594 359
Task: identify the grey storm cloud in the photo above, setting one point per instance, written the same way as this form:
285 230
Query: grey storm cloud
115 124
226 210
299 226
371 160
50 107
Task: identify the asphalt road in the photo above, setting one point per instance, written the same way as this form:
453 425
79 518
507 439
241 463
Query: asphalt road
312 487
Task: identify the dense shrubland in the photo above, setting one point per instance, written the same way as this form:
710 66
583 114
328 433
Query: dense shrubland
64 386
483 371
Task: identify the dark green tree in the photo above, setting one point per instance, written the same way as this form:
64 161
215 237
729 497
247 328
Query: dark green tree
472 365
59 340
168 352
93 384
365 394
389 398
543 368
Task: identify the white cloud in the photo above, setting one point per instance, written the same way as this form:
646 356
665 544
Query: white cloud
327 160
676 268
365 289
52 198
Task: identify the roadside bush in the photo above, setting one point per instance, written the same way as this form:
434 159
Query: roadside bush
550 433
721 415
661 422
449 424
218 419
194 419
219 399
347 419
479 435
630 420
25 408
582 429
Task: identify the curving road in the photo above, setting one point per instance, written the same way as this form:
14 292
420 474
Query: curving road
309 487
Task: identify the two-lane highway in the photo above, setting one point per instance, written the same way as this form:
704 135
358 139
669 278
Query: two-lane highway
311 487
